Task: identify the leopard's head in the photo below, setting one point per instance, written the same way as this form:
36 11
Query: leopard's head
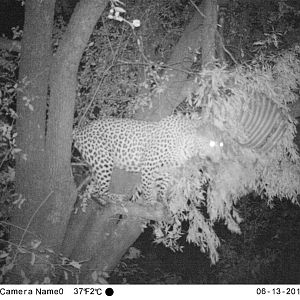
210 143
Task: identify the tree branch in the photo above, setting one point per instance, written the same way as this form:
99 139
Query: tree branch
176 86
155 211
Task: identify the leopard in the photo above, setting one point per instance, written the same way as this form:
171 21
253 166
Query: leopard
146 147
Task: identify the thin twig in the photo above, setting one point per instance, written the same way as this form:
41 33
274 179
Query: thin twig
105 73
224 48
94 95
198 10
21 228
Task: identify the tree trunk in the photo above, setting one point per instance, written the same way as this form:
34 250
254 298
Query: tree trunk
43 167
63 83
31 125
178 86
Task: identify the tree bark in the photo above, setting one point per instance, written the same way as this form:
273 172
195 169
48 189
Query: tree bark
44 176
31 126
209 32
178 86
63 83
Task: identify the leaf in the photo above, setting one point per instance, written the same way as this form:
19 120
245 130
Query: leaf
119 2
32 261
16 150
22 250
120 10
26 280
95 276
30 106
35 243
75 264
11 173
134 253
3 254
66 275
102 280
46 280
49 250
136 23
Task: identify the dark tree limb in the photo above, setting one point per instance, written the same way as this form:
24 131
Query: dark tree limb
63 83
148 211
178 86
209 32
118 242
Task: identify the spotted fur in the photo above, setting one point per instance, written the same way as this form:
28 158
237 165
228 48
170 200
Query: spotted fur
145 147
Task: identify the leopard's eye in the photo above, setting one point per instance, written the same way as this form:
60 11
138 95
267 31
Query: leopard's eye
221 144
212 144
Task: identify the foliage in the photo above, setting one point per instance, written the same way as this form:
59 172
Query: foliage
8 88
119 63
202 194
38 254
249 30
